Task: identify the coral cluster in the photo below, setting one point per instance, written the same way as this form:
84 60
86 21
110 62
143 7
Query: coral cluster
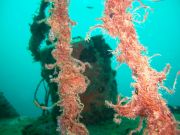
71 81
145 102
95 52
7 110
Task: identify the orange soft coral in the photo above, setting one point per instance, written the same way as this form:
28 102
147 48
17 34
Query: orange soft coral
145 102
71 81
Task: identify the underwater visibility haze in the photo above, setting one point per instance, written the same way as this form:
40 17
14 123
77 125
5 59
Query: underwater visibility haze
98 67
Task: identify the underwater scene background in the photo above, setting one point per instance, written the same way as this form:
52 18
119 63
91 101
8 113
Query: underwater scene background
20 73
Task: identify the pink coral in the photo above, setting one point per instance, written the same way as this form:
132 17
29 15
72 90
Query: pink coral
145 102
71 81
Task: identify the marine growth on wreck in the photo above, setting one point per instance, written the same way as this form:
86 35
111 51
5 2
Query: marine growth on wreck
70 72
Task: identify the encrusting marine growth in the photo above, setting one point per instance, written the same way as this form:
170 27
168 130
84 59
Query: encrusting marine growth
71 81
145 102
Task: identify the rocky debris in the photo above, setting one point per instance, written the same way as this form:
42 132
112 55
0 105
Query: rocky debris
42 126
14 126
7 110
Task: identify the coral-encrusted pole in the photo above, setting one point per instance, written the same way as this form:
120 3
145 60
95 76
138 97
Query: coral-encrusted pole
145 102
71 81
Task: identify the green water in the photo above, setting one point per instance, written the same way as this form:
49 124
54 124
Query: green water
19 74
